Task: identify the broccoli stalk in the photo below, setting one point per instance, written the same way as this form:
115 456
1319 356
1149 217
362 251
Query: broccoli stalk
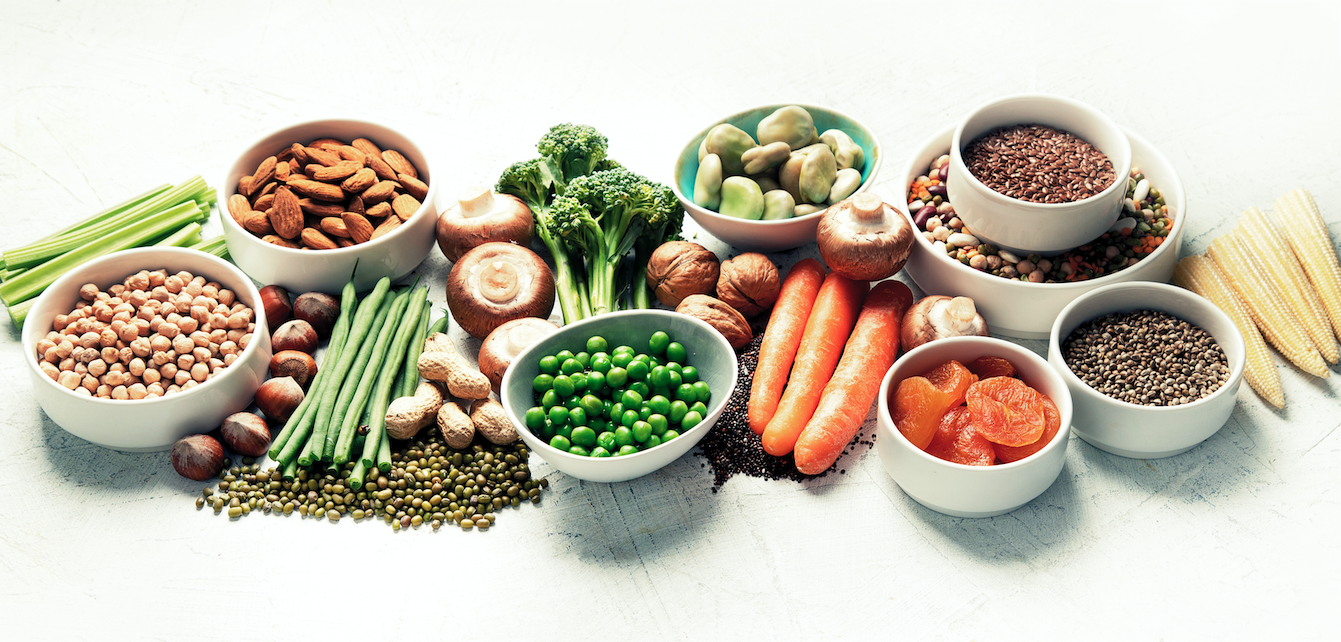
663 227
527 181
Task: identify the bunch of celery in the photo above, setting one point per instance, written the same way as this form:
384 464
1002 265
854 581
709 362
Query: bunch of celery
165 215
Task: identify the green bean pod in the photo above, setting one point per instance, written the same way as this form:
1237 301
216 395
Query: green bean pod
305 416
353 395
381 394
358 331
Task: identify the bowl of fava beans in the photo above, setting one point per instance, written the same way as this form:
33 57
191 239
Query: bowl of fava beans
620 395
1153 369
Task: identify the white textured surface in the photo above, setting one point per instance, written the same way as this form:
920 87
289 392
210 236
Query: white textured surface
1236 539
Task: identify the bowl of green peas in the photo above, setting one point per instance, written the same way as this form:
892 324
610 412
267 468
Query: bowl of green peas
619 395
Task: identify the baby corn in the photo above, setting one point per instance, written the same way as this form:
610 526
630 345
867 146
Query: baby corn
1283 272
1200 274
1298 215
1271 315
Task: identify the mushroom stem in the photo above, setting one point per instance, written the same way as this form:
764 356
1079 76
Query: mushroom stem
498 281
868 207
476 200
959 315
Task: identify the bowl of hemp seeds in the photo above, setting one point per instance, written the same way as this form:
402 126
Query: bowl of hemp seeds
1153 369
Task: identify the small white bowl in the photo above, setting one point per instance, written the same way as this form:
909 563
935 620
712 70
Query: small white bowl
1019 308
1026 227
393 255
971 491
708 351
1148 432
147 424
768 236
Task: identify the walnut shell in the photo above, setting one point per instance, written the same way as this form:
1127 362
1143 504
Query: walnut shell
678 269
724 318
749 283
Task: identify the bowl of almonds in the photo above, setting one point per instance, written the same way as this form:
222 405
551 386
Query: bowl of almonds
309 201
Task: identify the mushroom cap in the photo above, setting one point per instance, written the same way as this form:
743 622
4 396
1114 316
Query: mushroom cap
506 342
481 216
939 317
864 239
495 283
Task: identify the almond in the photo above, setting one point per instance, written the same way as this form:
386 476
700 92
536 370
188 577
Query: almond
299 154
361 180
379 210
260 193
398 162
328 144
246 185
358 228
355 205
238 207
388 226
367 146
318 241
320 208
405 206
351 153
265 201
321 156
282 170
266 172
383 170
337 172
258 223
334 227
287 215
379 192
271 238
317 190
415 187
344 242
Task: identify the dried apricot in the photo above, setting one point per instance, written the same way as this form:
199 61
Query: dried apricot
957 441
1006 411
988 367
1052 422
953 379
917 409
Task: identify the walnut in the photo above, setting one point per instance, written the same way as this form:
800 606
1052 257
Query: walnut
749 283
678 269
724 318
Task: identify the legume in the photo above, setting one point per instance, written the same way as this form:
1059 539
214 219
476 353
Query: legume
1147 357
1039 164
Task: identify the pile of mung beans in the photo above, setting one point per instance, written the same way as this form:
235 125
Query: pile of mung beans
429 483
1146 222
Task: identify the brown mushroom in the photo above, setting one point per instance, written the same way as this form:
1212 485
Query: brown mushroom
481 216
496 283
940 317
506 342
864 239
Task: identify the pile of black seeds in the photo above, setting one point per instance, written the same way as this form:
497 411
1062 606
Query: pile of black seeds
1039 164
731 448
1146 357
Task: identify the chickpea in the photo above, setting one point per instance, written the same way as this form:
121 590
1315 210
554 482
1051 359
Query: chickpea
88 291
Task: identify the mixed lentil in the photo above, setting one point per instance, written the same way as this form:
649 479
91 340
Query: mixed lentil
429 483
1146 357
1039 164
1146 223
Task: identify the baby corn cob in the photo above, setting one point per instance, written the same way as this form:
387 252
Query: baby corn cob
1283 272
1200 274
1271 315
1299 217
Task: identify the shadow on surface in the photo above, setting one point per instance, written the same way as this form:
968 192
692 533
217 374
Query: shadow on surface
86 464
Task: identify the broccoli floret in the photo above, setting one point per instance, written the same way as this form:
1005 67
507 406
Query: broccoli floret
570 151
525 180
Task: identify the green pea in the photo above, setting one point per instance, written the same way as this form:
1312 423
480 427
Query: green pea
678 410
623 437
631 399
595 381
563 355
674 380
569 366
628 417
621 359
600 364
606 440
572 402
600 355
641 388
670 434
542 382
620 349
558 415
691 419
644 412
674 366
690 374
657 344
652 442
659 423
563 386
685 392
660 377
676 352
641 430
659 404
597 424
600 452
703 391
616 411
607 404
577 416
549 399
597 344
565 431
638 370
644 357
546 431
627 450
592 405
549 365
580 451
617 377
583 436
535 419
583 358
579 380
560 442
699 407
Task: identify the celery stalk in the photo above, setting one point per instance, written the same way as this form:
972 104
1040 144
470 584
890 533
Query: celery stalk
185 237
19 312
94 220
216 246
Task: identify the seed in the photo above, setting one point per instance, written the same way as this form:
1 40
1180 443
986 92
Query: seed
1039 164
1146 357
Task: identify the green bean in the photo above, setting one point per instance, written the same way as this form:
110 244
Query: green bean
384 452
358 332
381 371
408 379
305 416
354 394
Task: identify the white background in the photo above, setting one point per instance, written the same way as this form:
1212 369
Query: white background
1236 539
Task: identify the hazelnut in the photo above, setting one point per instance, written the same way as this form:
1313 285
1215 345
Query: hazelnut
722 317
678 269
749 283
246 434
296 334
197 457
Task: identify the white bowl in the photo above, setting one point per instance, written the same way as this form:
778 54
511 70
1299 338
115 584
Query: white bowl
147 424
957 489
768 236
1019 308
1022 226
393 255
707 350
1148 432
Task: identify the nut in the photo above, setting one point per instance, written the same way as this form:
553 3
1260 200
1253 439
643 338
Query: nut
286 216
449 367
749 283
292 363
295 334
678 269
319 309
406 416
492 421
457 428
197 457
278 398
722 317
275 301
246 434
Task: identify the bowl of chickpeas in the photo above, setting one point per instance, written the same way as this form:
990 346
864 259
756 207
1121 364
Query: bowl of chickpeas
138 348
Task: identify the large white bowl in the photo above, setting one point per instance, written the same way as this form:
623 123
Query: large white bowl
147 424
1019 308
957 489
1025 227
1133 430
393 255
768 236
707 350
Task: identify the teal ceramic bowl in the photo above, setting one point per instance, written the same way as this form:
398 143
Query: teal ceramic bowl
769 236
707 350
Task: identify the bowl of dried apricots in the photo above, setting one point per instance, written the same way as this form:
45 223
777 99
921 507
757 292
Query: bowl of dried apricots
973 426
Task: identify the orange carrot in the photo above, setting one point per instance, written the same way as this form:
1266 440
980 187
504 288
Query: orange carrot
830 323
781 338
848 396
